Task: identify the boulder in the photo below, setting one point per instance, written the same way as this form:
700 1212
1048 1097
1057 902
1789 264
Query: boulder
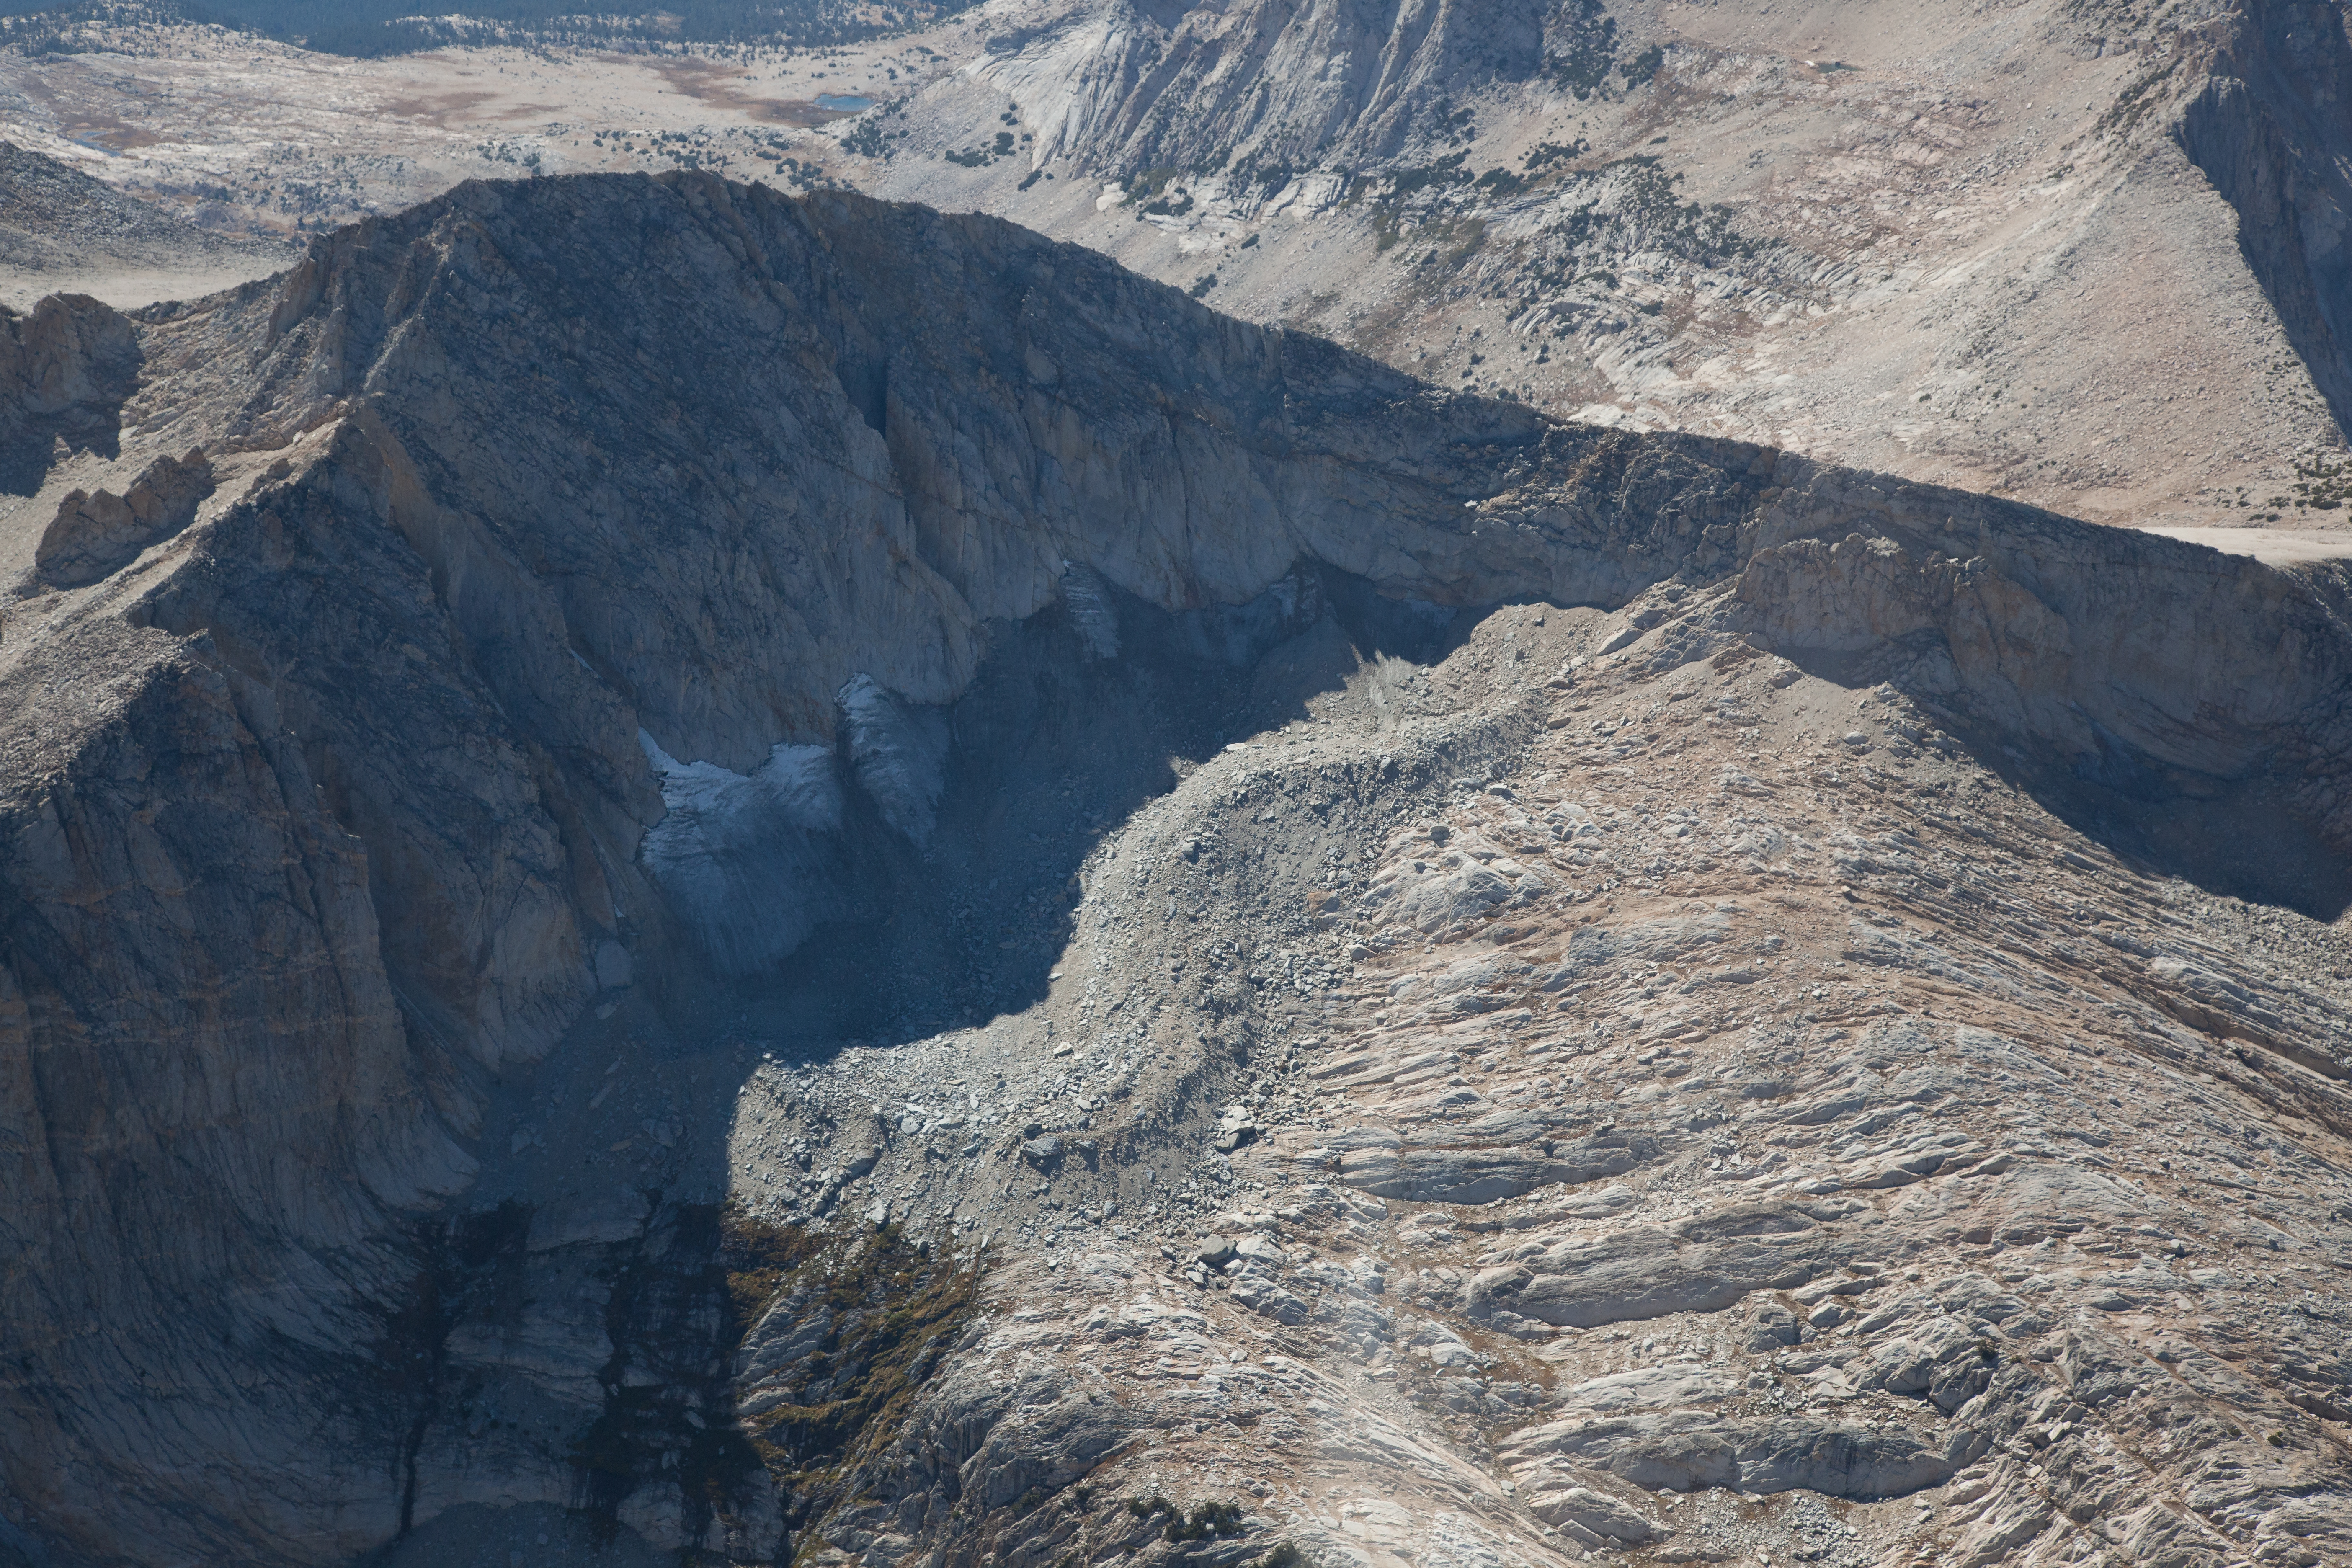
96 534
1588 1511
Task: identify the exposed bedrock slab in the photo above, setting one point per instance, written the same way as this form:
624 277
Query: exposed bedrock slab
580 545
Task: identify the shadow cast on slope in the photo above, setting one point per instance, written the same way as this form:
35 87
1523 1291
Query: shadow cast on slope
1056 743
2272 139
2238 838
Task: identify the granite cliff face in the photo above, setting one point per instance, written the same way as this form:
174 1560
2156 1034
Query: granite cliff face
2078 252
1268 88
2264 129
587 615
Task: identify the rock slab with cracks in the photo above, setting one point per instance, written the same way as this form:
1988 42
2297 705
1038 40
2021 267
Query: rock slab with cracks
593 571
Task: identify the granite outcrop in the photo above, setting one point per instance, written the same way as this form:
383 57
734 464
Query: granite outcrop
577 596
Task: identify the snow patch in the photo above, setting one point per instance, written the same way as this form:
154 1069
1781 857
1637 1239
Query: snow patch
1087 599
898 752
750 862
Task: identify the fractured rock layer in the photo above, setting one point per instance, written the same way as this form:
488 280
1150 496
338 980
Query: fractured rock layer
655 620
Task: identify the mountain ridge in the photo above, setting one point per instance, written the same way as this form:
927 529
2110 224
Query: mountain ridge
327 808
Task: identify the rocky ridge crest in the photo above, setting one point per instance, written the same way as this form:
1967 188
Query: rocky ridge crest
568 542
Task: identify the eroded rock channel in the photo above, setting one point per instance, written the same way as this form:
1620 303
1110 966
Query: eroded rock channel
795 881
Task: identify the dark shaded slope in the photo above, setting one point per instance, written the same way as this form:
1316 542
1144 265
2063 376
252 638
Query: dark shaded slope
2273 129
53 217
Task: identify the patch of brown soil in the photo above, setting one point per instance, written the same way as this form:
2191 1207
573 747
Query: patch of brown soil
435 107
107 132
709 83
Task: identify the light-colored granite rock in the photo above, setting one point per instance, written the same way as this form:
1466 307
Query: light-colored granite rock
645 621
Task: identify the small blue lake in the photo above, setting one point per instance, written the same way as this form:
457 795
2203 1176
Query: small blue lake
843 102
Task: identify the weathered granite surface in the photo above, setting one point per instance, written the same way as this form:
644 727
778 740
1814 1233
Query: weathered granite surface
569 542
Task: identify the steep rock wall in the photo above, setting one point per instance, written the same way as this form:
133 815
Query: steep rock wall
340 798
2272 128
1262 87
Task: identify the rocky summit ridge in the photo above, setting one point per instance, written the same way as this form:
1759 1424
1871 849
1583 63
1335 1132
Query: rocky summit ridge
695 873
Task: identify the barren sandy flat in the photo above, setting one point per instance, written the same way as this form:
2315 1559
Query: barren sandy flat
247 139
2278 546
244 134
127 289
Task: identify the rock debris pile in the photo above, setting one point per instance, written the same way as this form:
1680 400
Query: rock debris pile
742 879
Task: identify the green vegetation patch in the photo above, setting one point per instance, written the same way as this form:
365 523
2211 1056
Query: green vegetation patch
1545 154
1206 1520
2320 484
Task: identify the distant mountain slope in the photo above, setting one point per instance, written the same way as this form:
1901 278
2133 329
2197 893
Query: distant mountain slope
1255 90
373 28
55 218
62 231
2084 254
